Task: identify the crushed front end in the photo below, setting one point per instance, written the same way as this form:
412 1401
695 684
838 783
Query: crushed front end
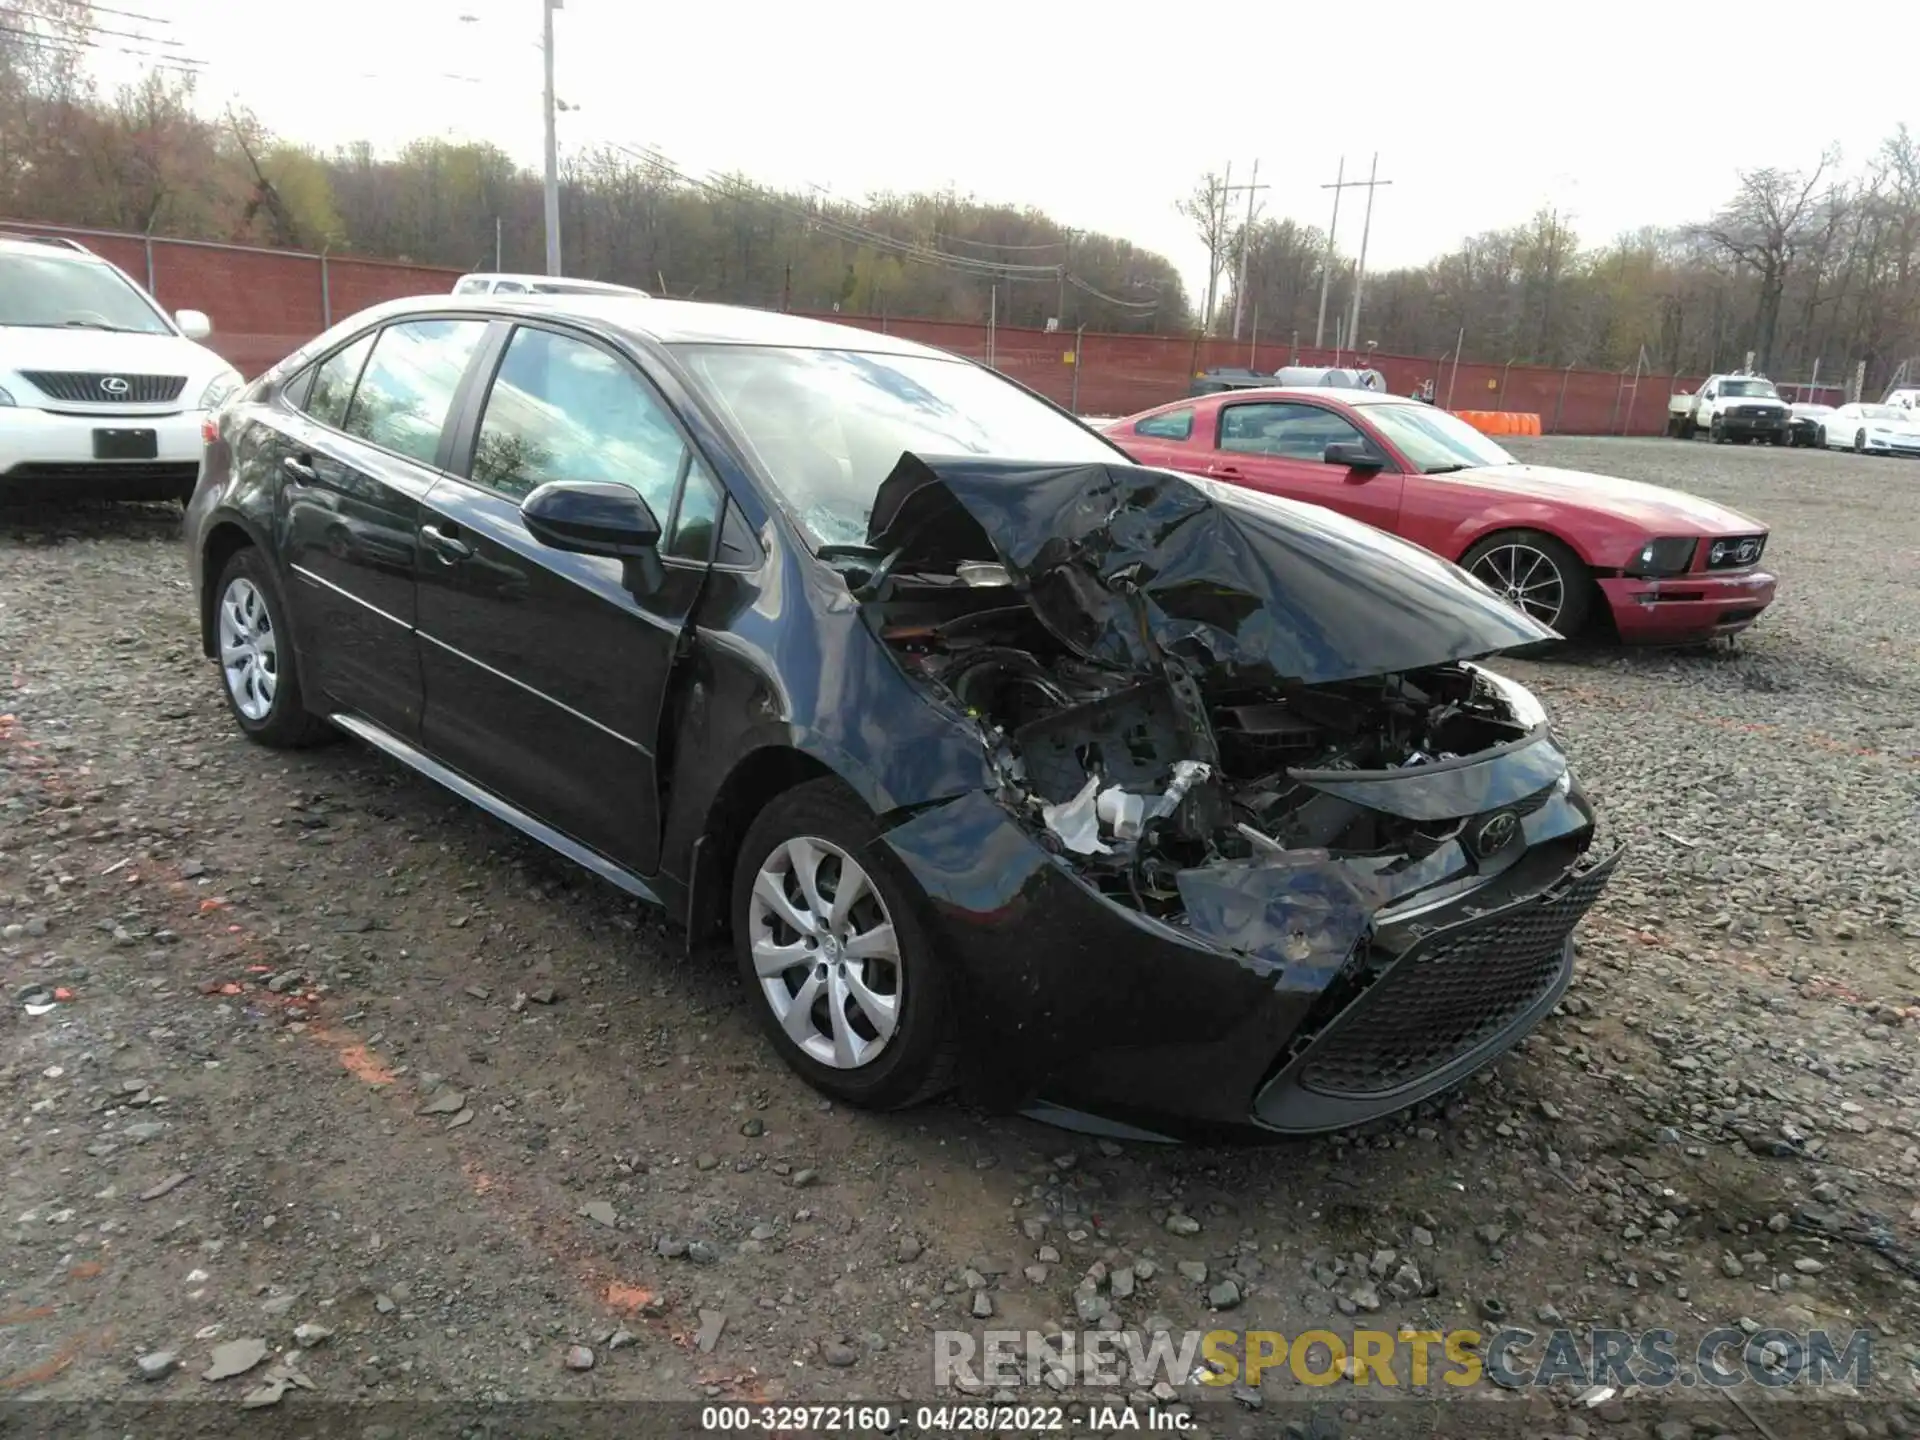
1232 875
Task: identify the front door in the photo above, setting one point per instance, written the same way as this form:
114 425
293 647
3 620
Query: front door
1277 446
353 464
545 671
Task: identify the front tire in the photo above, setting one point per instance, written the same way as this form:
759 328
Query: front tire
1716 432
838 962
1537 575
259 670
1860 443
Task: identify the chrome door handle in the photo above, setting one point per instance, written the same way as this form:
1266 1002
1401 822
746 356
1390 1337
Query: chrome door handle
449 549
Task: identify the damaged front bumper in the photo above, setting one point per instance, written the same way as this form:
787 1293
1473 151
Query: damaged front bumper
1298 992
1266 850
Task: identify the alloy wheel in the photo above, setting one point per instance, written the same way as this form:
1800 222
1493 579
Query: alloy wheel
249 652
826 953
1526 579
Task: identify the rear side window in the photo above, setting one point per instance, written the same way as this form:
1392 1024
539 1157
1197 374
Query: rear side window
1173 425
471 287
509 287
407 388
563 409
333 383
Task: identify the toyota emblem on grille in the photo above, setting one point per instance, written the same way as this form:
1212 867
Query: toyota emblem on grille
114 385
1496 832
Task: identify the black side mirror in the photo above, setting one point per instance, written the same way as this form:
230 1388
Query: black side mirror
591 519
1353 455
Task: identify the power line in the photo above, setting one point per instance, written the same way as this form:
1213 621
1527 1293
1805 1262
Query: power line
1143 305
847 229
126 14
996 245
186 64
852 233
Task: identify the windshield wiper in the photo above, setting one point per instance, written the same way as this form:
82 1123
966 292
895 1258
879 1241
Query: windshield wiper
1444 469
91 325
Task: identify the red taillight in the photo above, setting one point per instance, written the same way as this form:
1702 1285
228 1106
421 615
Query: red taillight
209 430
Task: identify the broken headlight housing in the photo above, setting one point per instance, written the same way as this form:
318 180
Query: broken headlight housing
1671 555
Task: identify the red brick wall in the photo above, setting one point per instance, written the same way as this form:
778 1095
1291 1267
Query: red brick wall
264 303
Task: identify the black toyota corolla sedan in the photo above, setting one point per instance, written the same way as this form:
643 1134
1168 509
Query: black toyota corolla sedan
1153 806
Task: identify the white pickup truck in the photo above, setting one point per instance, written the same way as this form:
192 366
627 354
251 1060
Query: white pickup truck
1731 407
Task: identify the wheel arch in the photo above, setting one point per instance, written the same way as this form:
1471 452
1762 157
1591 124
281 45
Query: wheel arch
226 537
1541 521
753 783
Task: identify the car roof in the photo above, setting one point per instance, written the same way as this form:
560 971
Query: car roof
1350 394
494 276
672 322
48 245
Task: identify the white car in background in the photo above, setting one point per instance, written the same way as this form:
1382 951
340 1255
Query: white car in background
102 393
1871 430
491 284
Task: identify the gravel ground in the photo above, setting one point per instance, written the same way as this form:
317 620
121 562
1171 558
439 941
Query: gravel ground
327 1048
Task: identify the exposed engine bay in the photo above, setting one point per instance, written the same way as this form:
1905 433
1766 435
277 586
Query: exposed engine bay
1138 779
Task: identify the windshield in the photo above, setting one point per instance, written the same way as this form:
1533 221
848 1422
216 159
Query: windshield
1749 387
829 425
1434 441
1882 412
51 290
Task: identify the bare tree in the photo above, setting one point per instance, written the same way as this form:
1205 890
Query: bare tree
1206 210
1764 228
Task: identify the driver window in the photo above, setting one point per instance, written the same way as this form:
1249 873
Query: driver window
1284 430
563 409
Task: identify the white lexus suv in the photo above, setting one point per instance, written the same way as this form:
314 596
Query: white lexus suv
102 393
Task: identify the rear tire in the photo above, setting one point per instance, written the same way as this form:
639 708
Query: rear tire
1820 438
1532 571
854 996
1688 429
259 668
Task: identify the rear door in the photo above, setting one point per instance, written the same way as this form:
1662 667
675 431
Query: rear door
1277 446
354 463
545 671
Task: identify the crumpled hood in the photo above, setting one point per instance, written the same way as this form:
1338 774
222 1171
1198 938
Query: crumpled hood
1120 561
1655 509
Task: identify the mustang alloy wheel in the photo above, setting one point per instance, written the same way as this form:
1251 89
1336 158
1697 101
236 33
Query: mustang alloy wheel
828 936
1536 574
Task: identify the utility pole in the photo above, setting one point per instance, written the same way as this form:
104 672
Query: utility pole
1360 268
553 150
1326 267
1246 244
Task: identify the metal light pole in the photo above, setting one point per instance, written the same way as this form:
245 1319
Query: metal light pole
553 149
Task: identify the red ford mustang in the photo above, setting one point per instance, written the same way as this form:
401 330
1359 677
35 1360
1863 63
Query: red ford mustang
1670 567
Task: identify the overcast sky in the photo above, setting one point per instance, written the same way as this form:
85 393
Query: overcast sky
1102 115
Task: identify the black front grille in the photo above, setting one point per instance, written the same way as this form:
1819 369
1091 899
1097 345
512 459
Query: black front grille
1757 412
1732 552
104 387
1454 991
